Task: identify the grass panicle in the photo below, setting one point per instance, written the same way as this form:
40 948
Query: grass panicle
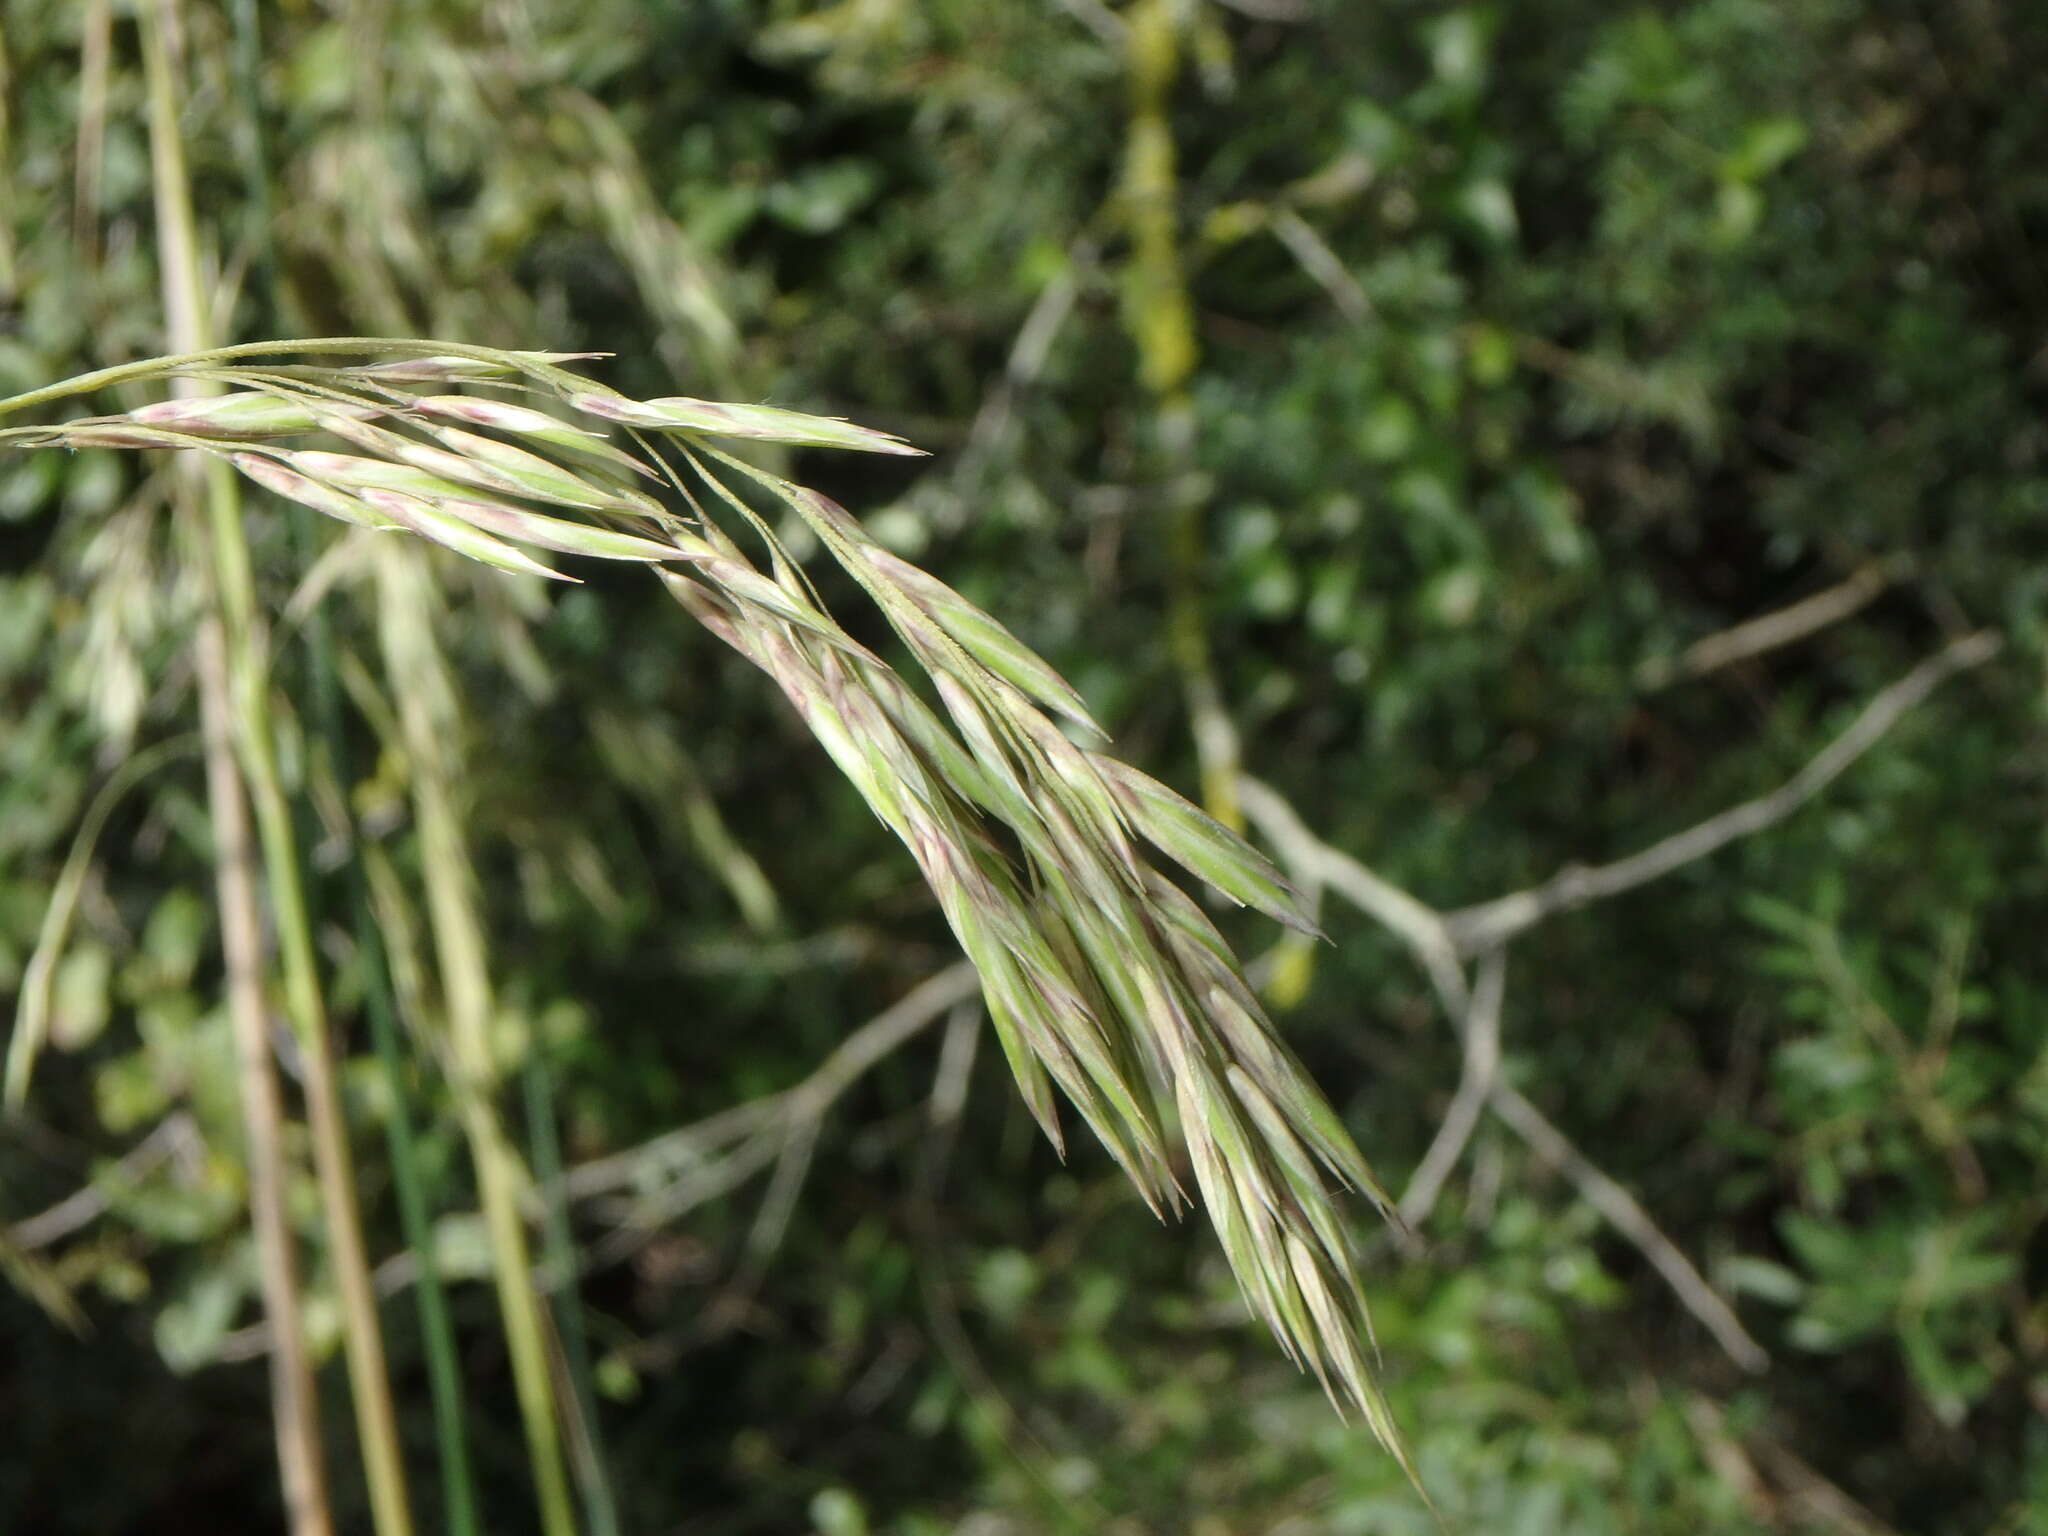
1101 975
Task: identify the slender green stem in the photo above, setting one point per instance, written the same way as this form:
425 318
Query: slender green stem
295 1401
426 718
33 1004
248 702
600 1505
444 1378
408 1176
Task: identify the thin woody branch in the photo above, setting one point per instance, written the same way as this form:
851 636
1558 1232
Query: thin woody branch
1478 928
1770 631
1626 1215
1481 1027
1422 928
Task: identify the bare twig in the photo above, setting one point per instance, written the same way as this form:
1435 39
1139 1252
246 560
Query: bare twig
1769 631
41 1283
1042 325
394 1275
1627 1217
674 1151
1475 1090
175 1136
1315 862
1322 264
1482 927
887 1030
956 1064
1801 1496
792 1167
1812 1498
762 1128
638 1221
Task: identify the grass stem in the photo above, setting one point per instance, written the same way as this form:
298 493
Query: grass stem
248 712
600 1504
294 1404
426 709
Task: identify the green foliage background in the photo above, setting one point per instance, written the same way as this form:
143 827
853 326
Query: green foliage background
1527 345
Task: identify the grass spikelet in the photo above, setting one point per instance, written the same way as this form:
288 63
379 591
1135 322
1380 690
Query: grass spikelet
485 463
435 370
537 425
760 423
431 521
1202 845
983 637
554 532
244 413
321 497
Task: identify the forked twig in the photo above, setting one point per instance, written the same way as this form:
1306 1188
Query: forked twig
1316 863
1422 928
175 1136
1481 1027
770 1115
1478 928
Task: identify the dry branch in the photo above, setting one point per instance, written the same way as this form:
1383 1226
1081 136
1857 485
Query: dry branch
853 1057
176 1136
1627 1216
1422 928
1768 632
761 1127
1481 1028
1478 928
